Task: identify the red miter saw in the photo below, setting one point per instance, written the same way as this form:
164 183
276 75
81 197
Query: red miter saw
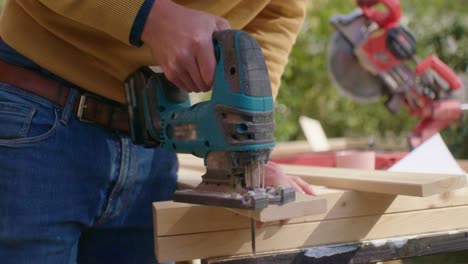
371 56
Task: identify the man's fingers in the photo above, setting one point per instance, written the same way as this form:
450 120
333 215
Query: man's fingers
295 186
176 81
303 185
206 62
189 85
196 76
205 58
174 76
222 24
202 69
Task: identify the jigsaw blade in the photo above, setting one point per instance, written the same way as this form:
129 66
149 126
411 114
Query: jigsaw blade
252 235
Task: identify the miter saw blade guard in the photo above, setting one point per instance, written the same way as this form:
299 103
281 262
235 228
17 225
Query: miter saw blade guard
353 80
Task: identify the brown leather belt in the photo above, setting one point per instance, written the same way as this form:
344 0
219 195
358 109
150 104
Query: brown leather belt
88 107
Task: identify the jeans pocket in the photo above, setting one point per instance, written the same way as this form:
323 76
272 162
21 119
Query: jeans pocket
24 120
15 119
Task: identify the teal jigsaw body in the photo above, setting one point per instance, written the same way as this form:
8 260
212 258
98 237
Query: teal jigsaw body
233 131
239 115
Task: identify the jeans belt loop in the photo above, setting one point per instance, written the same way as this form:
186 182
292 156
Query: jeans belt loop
68 108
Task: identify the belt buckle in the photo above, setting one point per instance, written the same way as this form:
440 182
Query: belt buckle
82 105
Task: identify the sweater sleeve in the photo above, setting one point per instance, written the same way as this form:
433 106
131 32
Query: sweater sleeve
276 29
122 19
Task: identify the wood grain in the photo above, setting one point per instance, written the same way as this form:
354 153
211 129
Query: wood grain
177 218
297 235
184 231
398 183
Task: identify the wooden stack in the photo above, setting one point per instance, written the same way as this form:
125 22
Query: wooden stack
377 205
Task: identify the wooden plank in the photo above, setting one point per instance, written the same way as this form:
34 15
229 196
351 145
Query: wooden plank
379 143
297 235
283 149
303 206
189 178
175 218
171 218
398 183
291 148
178 218
188 161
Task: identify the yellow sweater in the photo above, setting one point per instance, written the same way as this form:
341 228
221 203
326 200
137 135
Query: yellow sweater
87 41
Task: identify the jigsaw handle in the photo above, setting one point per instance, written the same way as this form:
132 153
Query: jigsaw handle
242 65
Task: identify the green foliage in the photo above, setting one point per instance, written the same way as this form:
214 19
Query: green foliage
306 86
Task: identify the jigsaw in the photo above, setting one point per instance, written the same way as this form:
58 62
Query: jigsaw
232 132
372 55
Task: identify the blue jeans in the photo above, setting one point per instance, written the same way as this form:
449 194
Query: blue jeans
72 192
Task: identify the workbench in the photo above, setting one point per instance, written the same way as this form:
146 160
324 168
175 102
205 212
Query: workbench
362 252
357 227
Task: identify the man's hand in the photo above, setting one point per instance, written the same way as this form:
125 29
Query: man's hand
181 42
274 176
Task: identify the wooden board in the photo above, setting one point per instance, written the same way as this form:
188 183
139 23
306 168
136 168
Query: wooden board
297 235
398 183
178 218
228 233
303 206
189 178
379 143
186 231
